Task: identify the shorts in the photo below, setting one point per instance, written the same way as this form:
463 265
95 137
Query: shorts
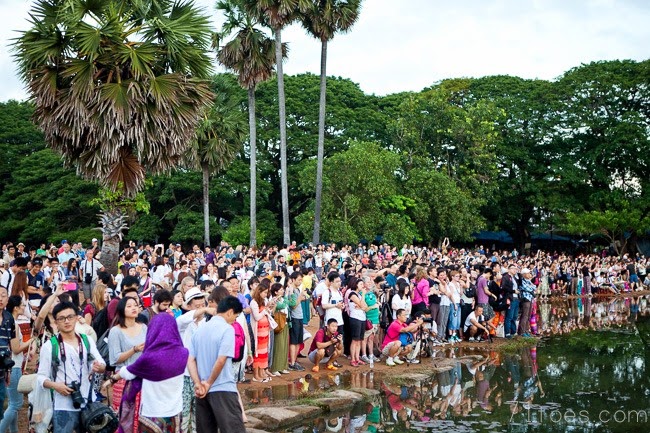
386 350
634 278
312 357
357 329
296 332
370 332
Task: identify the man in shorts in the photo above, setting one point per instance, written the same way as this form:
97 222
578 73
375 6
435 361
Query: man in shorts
326 346
392 346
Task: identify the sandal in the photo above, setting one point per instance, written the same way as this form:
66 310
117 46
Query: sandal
331 367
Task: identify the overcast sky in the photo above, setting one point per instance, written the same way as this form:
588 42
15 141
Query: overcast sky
410 44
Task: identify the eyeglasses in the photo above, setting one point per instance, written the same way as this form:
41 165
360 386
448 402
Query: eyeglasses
69 318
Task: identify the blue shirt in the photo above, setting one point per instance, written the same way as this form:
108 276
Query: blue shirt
210 341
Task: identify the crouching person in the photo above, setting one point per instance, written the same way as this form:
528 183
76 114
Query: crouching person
66 361
326 346
396 342
475 327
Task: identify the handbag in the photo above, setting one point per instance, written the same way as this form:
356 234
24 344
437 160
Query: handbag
272 323
368 325
26 383
97 417
281 320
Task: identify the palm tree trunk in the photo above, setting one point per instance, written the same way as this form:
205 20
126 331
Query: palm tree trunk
321 142
253 166
113 223
283 137
206 203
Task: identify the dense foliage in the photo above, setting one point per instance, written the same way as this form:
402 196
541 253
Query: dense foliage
498 153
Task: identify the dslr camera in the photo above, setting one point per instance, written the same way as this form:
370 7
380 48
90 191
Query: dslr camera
77 398
6 363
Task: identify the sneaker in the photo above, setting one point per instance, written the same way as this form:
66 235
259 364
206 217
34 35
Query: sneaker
365 359
413 361
284 372
390 362
471 339
337 364
508 336
315 369
396 360
331 367
298 367
292 367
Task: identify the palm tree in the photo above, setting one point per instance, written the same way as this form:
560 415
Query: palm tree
218 139
323 21
278 14
251 54
118 87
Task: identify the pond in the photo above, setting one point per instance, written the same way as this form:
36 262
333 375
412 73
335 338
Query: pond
585 380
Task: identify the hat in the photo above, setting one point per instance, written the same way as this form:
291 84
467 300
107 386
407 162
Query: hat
94 240
194 293
64 242
20 244
163 285
525 271
178 245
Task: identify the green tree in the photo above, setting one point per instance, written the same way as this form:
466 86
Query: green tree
219 137
251 55
323 20
356 184
119 88
277 14
616 225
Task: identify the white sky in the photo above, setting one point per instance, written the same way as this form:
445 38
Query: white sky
400 45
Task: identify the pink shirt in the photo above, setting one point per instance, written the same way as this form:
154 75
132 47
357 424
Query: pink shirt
392 333
421 292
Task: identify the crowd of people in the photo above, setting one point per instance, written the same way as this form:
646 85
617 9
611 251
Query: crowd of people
168 337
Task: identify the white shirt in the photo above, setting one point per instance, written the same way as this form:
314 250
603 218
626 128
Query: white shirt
159 399
332 313
71 371
90 267
5 280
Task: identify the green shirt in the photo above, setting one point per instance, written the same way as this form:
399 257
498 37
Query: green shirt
372 314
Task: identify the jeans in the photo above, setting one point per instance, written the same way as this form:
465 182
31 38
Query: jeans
524 320
66 421
510 326
443 317
10 417
3 394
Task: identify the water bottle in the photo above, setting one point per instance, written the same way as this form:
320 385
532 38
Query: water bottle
372 362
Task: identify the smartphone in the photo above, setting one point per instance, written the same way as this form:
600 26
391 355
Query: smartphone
69 287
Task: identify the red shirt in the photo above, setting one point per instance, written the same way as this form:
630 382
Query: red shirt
392 333
320 337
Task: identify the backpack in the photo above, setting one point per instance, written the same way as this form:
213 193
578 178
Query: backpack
240 342
386 316
100 321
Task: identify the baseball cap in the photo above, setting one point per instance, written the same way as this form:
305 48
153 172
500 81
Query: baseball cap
20 244
94 240
525 271
194 293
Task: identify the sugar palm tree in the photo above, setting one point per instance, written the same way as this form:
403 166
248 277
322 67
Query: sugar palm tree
219 138
323 20
251 55
118 87
277 14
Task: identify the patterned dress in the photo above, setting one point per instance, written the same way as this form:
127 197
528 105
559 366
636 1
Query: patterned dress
261 359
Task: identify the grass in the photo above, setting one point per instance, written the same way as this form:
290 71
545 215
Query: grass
517 344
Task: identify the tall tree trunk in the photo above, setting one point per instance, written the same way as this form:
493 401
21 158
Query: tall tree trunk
206 203
321 141
113 223
283 138
253 165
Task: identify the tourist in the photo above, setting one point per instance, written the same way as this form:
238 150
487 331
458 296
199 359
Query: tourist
528 290
279 360
372 314
326 347
157 377
393 346
454 290
260 323
355 299
219 406
510 285
475 326
296 294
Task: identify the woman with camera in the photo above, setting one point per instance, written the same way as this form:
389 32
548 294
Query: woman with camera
125 344
261 330
280 359
16 307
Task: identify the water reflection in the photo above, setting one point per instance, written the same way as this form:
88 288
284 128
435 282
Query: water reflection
589 375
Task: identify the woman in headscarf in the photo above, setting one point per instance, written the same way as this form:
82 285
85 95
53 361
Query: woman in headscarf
158 375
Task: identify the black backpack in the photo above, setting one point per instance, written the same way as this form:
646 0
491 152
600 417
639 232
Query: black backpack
100 321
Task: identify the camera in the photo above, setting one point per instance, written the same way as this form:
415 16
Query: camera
77 398
6 363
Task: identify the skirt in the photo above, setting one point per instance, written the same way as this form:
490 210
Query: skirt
280 361
160 425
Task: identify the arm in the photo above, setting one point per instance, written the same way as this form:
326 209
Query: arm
255 311
114 348
42 315
17 346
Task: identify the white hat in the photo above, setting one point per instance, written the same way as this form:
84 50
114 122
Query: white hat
525 271
194 293
94 240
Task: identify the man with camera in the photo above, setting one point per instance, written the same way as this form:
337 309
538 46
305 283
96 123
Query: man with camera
90 266
66 369
326 346
395 344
